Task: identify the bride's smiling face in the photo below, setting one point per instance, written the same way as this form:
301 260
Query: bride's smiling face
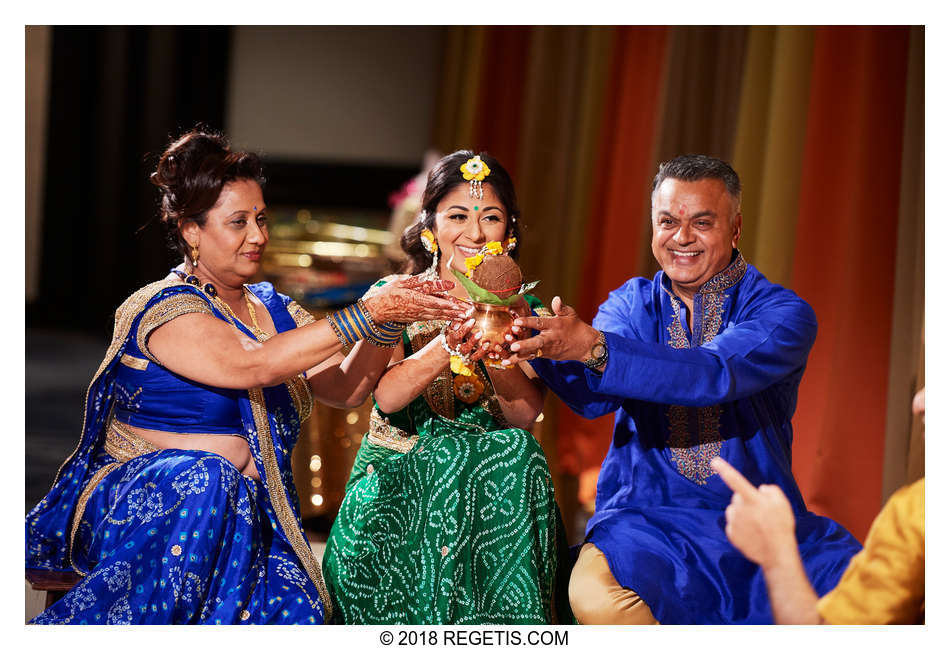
464 224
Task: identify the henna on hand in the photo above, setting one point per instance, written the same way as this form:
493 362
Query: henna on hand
457 332
520 308
434 286
394 302
470 343
480 353
462 338
434 308
412 282
417 283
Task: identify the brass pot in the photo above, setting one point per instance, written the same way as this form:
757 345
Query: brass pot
493 321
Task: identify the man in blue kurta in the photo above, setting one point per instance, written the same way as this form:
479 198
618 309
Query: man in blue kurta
703 361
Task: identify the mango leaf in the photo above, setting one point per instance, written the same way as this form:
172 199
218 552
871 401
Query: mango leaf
525 288
478 294
475 292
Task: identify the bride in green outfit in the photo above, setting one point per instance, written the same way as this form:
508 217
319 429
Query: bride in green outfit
449 514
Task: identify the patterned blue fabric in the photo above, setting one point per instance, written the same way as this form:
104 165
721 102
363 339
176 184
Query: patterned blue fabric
180 536
729 388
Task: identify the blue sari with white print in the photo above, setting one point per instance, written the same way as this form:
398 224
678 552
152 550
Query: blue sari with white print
171 535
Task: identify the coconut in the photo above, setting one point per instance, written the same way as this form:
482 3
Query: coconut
499 274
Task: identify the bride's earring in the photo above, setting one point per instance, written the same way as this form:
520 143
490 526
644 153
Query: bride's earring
432 247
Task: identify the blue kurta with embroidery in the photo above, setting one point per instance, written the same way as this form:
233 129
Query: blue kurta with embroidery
727 388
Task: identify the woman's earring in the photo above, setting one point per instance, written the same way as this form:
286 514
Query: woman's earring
194 256
432 247
428 241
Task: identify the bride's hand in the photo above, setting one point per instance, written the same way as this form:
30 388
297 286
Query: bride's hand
460 337
414 299
518 309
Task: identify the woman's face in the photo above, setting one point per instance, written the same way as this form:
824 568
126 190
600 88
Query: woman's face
463 225
232 241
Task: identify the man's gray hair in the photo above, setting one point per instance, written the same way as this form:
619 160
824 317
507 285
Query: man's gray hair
696 167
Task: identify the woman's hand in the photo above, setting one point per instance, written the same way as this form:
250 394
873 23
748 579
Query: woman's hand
406 379
518 309
460 337
414 299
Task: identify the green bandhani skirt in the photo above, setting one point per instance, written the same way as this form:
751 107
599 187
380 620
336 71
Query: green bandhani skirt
457 524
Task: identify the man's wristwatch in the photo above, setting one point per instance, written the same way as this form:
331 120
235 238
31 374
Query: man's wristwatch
598 352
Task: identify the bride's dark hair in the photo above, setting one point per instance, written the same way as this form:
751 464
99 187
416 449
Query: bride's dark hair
444 176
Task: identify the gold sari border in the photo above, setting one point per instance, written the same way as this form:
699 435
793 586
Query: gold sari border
166 310
124 318
133 362
278 495
123 445
384 434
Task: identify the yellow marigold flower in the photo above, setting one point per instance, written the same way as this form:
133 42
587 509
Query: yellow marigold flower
474 169
494 248
472 262
468 388
429 242
459 367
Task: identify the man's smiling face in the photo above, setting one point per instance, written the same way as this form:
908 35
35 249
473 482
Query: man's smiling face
696 225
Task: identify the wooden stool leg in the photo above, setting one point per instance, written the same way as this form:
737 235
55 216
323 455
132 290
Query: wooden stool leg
53 595
54 583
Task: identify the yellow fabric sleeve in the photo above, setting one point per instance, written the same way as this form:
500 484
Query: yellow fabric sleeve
885 581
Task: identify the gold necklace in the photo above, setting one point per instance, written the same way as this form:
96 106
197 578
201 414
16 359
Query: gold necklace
259 333
209 289
256 328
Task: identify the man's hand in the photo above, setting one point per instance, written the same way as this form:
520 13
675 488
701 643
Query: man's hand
761 524
759 521
562 337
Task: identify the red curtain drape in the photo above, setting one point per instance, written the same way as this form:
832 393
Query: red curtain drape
844 90
844 265
618 220
500 96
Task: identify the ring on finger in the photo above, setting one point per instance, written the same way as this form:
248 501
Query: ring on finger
537 353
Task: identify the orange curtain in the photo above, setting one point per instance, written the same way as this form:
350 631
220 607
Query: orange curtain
501 94
813 119
844 265
618 221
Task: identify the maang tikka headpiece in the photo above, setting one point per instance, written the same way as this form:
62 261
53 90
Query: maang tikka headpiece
474 171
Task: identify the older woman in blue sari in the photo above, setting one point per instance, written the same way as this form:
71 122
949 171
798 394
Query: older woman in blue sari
178 504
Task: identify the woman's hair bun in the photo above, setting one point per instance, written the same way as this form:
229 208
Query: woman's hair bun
185 157
191 173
